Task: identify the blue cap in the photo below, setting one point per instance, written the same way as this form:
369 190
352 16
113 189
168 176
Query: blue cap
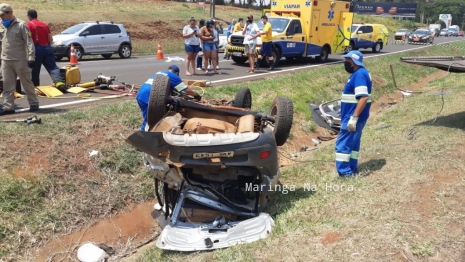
175 68
356 56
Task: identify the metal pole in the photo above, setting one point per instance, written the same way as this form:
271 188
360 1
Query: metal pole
212 8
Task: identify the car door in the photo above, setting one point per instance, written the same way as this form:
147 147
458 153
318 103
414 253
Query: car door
360 41
111 37
369 36
93 39
295 39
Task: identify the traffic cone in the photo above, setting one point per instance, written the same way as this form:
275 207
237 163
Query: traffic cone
72 57
160 52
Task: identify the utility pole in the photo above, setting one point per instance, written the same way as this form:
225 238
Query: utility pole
212 9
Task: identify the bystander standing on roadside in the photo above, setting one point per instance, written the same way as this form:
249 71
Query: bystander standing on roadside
200 65
216 33
18 55
42 38
250 41
191 44
238 27
267 44
208 45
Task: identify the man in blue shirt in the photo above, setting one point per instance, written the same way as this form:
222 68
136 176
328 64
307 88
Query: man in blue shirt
228 33
355 110
176 84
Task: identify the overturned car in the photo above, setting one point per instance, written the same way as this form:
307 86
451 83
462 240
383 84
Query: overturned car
215 166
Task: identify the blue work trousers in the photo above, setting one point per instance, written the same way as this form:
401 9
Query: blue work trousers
45 56
347 150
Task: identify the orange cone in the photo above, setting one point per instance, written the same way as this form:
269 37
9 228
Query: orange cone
72 57
160 52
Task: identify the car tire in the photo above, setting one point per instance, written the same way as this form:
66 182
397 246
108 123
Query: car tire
106 56
78 51
125 51
276 57
159 93
377 48
58 58
243 98
239 60
323 57
351 47
282 110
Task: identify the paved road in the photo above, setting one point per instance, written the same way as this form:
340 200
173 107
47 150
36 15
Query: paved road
136 70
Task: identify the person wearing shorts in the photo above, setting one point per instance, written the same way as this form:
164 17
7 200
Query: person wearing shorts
208 45
267 44
250 41
191 44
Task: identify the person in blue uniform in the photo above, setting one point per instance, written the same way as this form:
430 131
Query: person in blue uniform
355 111
176 84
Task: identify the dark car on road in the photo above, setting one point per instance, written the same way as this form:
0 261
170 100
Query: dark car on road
424 36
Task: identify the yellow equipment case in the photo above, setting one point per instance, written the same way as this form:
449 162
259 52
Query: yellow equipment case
71 74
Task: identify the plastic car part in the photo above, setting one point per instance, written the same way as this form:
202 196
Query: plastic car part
157 102
282 110
243 98
195 237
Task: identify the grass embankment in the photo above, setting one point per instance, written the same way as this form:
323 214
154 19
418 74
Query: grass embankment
148 22
50 186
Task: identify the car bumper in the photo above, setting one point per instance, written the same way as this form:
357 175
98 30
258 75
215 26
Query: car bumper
60 50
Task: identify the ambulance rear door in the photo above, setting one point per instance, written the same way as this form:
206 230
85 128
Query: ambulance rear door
313 48
343 34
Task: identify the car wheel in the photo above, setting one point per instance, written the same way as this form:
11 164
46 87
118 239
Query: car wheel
239 60
243 98
125 51
58 58
323 57
77 51
276 57
351 47
157 101
107 56
377 47
282 110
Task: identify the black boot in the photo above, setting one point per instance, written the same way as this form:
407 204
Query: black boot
257 64
271 65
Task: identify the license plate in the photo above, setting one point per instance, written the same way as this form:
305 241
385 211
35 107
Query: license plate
416 39
212 155
237 54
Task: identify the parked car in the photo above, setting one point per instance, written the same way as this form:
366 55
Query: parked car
443 32
421 36
222 44
461 33
93 38
402 34
215 159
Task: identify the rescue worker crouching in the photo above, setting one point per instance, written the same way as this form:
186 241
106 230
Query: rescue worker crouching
18 55
355 111
176 85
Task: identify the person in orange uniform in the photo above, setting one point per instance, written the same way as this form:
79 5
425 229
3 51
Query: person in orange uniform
267 44
43 40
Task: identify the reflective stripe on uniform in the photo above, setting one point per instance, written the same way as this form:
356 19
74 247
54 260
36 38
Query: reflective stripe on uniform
149 81
180 87
361 90
341 157
351 99
354 155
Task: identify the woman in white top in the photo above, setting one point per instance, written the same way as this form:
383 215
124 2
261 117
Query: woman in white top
191 44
